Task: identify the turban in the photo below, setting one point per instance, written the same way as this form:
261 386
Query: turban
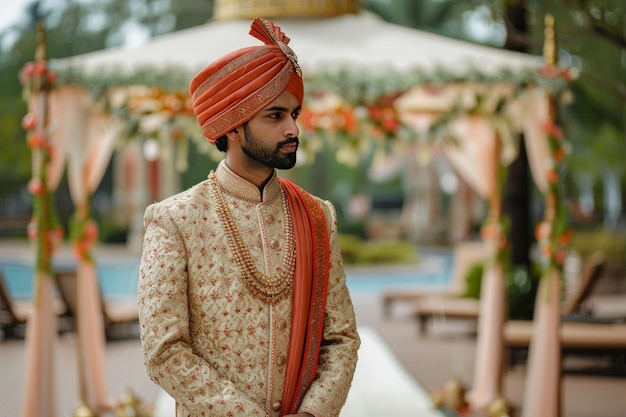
231 90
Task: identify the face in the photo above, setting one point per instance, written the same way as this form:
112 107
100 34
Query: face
271 137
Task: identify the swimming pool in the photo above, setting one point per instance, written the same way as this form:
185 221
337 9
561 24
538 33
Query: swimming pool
119 279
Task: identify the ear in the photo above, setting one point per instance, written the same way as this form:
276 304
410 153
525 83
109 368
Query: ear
234 134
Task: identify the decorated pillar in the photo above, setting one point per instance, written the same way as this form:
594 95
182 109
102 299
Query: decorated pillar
488 365
542 394
39 399
93 135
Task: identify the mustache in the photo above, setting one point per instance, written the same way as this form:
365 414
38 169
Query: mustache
288 141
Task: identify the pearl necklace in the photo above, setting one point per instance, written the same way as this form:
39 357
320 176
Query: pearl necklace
267 288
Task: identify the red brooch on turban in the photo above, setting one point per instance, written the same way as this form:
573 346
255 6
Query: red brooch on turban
231 90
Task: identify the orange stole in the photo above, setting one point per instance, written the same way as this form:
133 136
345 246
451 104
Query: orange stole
309 294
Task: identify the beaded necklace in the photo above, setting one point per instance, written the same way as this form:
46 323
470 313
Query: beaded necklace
267 288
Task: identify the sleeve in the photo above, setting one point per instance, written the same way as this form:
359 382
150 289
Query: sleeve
164 326
340 343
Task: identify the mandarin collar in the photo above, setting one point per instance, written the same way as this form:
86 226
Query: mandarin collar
242 188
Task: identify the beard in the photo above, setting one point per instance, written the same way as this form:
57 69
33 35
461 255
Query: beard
264 155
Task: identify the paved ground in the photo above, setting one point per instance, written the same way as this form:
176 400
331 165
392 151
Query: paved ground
590 388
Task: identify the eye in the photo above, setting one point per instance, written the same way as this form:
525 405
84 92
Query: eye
295 114
275 116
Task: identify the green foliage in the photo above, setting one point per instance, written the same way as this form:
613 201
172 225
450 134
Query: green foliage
111 232
472 281
521 289
357 251
73 27
586 242
592 39
15 166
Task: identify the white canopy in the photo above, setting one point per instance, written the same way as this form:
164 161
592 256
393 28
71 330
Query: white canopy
362 40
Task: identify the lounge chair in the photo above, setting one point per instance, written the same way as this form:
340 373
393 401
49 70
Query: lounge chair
465 255
580 330
459 307
121 316
605 337
14 313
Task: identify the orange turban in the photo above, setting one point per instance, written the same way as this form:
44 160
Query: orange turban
231 90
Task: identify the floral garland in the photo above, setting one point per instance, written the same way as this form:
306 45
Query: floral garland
84 235
363 117
44 227
554 235
356 85
494 233
384 118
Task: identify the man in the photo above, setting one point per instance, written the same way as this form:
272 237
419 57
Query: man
244 309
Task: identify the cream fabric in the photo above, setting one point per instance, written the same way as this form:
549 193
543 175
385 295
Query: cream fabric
207 341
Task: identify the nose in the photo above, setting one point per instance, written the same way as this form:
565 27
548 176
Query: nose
292 130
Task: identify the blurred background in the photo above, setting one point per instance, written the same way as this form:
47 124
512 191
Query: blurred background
399 200
390 203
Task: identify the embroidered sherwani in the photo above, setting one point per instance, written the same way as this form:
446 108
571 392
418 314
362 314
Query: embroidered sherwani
208 341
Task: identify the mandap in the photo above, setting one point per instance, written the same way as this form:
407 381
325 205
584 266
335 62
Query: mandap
367 80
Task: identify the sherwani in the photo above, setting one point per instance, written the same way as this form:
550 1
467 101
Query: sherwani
207 340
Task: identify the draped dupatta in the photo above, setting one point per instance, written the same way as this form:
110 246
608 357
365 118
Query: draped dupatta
309 294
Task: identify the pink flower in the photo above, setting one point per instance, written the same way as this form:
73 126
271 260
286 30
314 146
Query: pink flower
32 229
37 141
568 75
559 154
40 68
27 72
559 256
543 230
35 186
56 235
52 77
566 237
91 231
553 130
29 121
552 176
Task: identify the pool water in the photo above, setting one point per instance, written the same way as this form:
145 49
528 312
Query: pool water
120 279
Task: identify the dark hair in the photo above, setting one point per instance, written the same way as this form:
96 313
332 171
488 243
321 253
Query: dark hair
222 143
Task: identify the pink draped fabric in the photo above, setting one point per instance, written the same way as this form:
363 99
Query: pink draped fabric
39 390
542 389
476 157
535 137
473 156
39 399
542 386
93 136
489 358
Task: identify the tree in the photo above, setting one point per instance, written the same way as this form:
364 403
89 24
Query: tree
74 27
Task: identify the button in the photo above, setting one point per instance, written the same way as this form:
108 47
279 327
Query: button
274 244
277 405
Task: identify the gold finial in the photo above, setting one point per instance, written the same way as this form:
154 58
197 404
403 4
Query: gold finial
499 408
454 394
84 410
41 54
549 42
247 9
130 406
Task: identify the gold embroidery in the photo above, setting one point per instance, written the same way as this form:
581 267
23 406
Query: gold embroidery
246 108
227 69
287 51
